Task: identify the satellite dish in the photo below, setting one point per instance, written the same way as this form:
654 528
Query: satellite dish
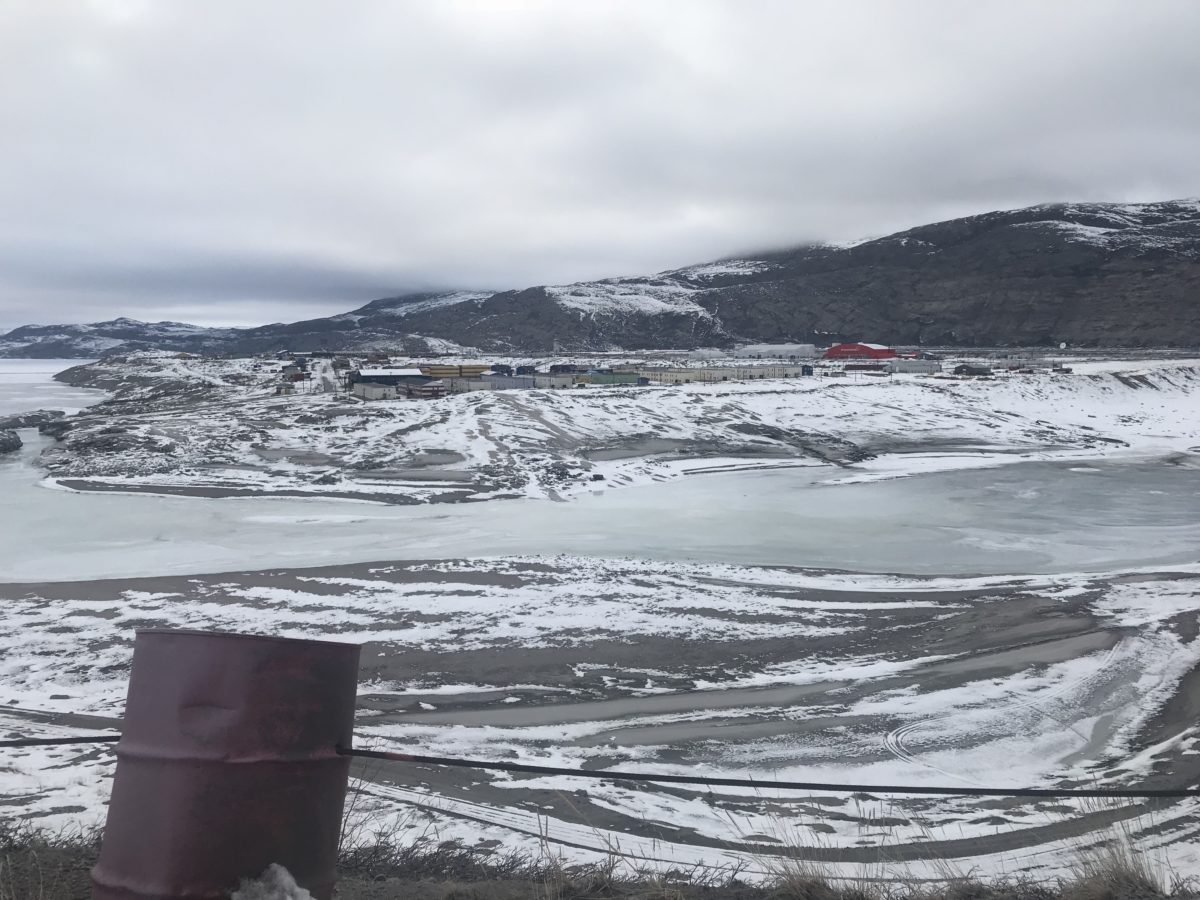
1062 346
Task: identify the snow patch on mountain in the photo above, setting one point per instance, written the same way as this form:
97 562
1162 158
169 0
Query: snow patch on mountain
720 269
1139 226
619 296
421 303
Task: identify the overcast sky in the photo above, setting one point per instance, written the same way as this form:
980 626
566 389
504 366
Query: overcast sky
240 162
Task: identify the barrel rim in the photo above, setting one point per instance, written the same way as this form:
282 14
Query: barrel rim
197 632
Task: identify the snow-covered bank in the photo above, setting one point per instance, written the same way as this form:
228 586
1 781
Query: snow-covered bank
213 427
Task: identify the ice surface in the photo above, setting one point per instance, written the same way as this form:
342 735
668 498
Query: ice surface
26 385
1031 517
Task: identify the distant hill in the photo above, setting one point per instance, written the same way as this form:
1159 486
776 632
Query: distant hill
1090 274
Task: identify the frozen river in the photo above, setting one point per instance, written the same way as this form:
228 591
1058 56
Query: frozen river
1030 517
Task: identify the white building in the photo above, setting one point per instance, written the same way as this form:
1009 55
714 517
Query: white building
366 390
914 366
775 351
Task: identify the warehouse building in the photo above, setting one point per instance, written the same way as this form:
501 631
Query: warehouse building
914 366
775 351
461 370
392 377
860 351
394 384
709 374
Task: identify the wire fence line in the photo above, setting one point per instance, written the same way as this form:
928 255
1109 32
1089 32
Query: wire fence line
702 780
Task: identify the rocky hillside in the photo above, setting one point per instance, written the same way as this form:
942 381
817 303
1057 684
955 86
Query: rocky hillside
1087 274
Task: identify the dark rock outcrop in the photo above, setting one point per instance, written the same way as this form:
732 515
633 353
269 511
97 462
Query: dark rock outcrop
10 442
34 419
56 428
114 439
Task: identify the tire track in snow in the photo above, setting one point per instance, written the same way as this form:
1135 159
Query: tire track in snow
894 740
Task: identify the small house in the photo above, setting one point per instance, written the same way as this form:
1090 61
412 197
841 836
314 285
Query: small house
968 369
430 390
367 390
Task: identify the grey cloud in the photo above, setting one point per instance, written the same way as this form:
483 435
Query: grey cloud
237 161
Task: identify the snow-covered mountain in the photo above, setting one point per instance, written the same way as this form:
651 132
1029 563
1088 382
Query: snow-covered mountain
1096 274
101 338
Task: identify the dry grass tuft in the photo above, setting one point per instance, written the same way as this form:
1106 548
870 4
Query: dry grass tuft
1115 871
41 865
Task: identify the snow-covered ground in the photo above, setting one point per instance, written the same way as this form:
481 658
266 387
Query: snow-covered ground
215 426
677 668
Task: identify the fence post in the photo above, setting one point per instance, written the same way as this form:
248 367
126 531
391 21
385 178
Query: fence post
227 763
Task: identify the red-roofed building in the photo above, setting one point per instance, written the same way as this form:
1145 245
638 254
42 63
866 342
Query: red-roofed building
860 351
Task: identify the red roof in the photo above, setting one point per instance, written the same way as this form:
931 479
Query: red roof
860 351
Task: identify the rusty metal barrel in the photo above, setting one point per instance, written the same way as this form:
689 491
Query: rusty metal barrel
228 763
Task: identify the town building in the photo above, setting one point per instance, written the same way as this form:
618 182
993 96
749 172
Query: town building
489 382
391 377
596 377
367 390
775 351
462 370
430 390
867 367
914 366
860 351
394 384
968 369
710 374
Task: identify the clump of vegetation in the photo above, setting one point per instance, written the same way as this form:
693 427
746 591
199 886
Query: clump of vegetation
41 865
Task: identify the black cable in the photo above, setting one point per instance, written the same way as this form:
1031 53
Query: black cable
774 785
616 775
53 742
